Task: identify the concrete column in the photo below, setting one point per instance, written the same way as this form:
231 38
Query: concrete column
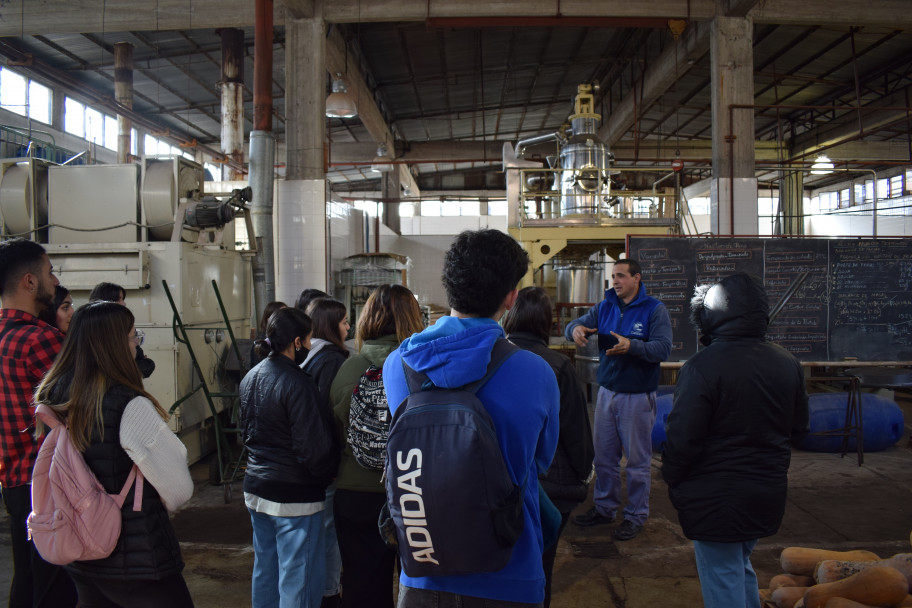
302 258
232 88
791 202
123 94
391 193
58 109
305 98
733 192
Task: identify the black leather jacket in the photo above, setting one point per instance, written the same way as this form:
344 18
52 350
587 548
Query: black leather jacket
565 481
293 451
738 405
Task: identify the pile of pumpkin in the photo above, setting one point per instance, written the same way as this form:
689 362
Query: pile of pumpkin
817 578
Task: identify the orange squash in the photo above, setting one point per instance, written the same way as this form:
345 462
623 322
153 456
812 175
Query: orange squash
803 560
841 602
790 580
830 570
877 586
787 597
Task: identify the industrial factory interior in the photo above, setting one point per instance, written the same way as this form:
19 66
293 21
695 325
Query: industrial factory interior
211 156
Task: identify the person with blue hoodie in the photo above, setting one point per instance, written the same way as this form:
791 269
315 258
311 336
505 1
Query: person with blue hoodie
634 337
481 272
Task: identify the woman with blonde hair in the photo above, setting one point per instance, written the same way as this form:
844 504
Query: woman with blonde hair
390 315
96 387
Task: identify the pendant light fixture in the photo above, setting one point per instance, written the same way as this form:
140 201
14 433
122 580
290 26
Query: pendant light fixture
382 163
822 165
340 104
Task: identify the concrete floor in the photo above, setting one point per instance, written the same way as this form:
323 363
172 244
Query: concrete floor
833 503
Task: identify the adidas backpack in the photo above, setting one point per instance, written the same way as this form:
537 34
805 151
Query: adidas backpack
369 420
73 518
450 497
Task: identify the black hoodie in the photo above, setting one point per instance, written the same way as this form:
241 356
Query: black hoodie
738 405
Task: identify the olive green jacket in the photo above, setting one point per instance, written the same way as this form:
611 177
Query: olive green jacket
352 476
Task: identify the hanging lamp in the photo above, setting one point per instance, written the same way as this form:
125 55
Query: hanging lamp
340 104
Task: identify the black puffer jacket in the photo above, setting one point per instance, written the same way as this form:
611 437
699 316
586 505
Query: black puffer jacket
738 405
293 451
147 548
323 368
565 481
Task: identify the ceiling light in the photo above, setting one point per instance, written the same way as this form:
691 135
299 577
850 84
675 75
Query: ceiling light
382 163
822 165
340 104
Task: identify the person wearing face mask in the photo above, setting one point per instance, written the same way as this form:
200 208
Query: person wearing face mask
293 455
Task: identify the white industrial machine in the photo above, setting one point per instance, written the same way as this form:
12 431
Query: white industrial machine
138 225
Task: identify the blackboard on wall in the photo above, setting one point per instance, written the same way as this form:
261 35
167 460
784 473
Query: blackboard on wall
855 301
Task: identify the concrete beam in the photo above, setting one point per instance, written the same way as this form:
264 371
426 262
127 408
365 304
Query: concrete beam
454 151
673 63
27 17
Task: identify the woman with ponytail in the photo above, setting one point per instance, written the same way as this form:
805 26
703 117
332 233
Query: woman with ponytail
292 457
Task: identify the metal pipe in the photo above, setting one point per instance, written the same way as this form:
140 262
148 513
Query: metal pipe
522 144
232 88
123 95
262 158
662 179
262 67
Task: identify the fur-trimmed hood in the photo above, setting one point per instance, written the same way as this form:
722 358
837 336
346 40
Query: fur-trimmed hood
735 307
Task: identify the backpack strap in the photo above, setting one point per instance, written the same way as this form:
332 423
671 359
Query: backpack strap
137 476
49 417
419 381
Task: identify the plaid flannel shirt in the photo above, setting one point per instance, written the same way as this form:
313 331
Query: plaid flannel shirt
28 347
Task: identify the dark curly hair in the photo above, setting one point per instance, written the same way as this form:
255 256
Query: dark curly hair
480 269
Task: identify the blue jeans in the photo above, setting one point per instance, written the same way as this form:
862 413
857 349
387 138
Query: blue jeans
623 425
332 585
409 597
289 565
727 578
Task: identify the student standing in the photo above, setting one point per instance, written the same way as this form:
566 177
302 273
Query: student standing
28 347
390 315
292 458
97 388
481 272
528 326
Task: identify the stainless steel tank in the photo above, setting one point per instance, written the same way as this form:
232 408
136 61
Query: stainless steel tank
580 282
585 180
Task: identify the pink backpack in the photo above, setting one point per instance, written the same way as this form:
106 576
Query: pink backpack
73 518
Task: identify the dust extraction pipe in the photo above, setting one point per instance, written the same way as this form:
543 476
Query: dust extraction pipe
262 160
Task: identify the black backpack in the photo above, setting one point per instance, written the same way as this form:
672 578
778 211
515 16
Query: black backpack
453 504
369 420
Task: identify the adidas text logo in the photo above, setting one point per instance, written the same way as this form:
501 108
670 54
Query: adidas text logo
412 507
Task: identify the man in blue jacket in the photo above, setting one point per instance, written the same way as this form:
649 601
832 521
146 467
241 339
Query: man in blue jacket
481 272
634 335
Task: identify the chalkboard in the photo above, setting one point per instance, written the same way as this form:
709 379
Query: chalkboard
855 301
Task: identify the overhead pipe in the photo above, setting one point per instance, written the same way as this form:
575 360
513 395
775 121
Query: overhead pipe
123 95
232 90
66 81
522 144
262 160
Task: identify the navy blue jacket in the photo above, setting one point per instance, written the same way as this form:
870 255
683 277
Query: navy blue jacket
645 322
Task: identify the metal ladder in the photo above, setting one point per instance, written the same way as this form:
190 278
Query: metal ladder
228 466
